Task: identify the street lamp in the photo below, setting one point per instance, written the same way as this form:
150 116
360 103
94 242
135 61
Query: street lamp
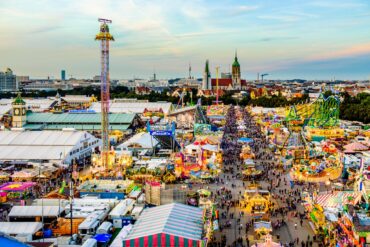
42 202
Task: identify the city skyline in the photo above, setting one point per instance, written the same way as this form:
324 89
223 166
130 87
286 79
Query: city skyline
313 40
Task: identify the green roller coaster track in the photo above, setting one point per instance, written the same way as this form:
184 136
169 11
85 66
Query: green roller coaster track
322 113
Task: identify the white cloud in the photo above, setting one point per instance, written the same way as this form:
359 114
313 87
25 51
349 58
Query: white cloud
337 4
283 18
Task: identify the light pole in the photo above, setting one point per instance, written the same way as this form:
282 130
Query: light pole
70 203
42 203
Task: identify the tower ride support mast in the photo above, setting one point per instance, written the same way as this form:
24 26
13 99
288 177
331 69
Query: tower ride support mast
104 37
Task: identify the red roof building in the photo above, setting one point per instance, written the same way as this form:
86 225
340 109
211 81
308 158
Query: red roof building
226 83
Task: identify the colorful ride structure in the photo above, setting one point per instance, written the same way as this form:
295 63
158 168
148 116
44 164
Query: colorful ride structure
105 37
323 169
153 112
256 202
199 160
149 172
319 120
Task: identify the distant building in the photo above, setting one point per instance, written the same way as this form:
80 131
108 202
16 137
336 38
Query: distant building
8 81
235 71
96 78
206 83
63 75
21 79
142 90
226 75
227 81
47 86
19 112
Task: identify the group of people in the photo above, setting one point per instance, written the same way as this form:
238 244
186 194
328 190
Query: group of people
235 228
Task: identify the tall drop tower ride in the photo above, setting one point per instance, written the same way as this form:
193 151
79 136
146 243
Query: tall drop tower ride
104 36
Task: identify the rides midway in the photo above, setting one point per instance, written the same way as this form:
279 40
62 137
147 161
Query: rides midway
319 120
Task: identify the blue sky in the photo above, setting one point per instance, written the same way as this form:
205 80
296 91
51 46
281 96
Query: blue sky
316 39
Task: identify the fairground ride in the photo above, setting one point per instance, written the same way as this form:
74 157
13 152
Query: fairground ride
320 120
104 37
318 117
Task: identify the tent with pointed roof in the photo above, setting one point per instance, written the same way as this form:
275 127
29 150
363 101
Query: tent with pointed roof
167 225
355 147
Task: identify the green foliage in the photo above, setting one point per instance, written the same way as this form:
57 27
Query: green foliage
352 108
355 108
278 101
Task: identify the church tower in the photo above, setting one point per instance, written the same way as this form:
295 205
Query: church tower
206 83
236 73
19 112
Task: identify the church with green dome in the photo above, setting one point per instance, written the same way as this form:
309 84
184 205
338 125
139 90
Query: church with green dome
235 73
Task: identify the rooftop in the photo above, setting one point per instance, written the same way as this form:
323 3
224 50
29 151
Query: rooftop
35 145
23 228
79 118
133 107
175 219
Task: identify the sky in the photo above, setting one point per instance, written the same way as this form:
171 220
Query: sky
288 39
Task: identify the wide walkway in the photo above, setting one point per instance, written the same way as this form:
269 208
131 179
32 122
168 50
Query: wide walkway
236 226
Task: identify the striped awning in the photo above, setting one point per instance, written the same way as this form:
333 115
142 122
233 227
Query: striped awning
338 198
163 239
172 224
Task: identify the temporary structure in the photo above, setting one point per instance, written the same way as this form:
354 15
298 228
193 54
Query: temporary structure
168 225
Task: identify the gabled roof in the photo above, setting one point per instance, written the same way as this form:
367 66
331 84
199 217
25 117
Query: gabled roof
35 145
15 228
174 219
77 118
355 146
225 82
34 211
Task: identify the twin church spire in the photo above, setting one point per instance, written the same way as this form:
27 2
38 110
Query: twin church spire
235 75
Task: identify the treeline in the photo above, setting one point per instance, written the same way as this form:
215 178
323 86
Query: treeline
278 101
124 92
355 108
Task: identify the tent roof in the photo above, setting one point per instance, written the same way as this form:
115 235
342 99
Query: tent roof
32 211
42 138
355 146
23 228
79 118
174 219
337 199
142 139
36 145
134 107
209 147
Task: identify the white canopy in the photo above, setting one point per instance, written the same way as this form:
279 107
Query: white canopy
121 236
23 228
134 107
39 145
192 147
34 211
210 147
144 140
122 208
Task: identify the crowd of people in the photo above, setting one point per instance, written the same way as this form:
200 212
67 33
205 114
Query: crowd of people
286 217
